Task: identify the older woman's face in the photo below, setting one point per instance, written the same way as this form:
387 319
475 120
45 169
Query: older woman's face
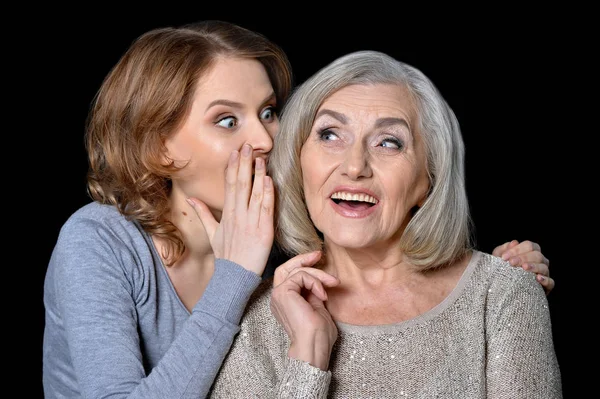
233 104
364 165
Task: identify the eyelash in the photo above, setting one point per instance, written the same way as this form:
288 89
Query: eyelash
325 132
394 140
321 134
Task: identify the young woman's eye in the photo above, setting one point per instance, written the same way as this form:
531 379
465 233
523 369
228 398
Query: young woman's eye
229 122
269 113
392 142
327 135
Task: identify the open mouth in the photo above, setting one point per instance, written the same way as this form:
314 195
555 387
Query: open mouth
354 200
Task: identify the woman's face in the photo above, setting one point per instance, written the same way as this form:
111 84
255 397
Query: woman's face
234 104
364 165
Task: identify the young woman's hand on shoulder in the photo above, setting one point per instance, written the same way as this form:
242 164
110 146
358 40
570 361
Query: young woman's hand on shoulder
529 256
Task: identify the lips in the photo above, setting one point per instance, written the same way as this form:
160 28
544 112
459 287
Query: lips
354 197
353 203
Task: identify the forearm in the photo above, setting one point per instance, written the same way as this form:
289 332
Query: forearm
108 352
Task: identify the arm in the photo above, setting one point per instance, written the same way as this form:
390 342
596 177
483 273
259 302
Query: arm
98 289
527 255
101 286
298 304
247 370
258 363
521 361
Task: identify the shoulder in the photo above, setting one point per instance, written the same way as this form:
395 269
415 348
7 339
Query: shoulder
261 336
259 305
502 273
506 282
96 237
95 221
94 215
258 321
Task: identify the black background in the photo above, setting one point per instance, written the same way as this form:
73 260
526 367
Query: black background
502 75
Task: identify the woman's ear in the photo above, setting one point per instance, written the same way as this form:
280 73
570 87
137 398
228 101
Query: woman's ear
422 200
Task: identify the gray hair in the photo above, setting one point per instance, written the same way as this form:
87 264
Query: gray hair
440 231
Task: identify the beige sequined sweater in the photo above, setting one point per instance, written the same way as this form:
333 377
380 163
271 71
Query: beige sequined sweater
490 338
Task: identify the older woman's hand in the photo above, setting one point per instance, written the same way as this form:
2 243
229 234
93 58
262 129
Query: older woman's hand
527 255
298 304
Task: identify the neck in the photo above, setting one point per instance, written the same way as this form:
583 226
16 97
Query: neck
192 231
379 287
367 269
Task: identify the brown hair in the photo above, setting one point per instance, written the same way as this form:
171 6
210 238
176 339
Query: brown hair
145 98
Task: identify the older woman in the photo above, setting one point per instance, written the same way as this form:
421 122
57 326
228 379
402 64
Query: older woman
400 304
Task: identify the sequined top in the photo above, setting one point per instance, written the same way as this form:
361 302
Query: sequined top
490 338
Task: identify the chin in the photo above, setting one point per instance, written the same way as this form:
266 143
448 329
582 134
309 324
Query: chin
350 240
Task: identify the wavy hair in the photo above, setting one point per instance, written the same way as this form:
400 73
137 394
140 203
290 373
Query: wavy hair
145 98
438 232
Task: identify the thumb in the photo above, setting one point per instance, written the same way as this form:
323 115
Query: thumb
205 216
302 260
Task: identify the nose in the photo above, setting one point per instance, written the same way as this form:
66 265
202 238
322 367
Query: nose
260 138
356 163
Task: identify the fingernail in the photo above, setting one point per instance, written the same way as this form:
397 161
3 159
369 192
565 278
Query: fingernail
541 278
189 201
246 149
505 256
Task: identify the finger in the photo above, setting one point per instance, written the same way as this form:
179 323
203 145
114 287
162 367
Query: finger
267 210
521 249
230 183
205 215
532 257
529 257
258 191
327 279
244 181
316 302
500 249
305 281
546 282
537 268
302 260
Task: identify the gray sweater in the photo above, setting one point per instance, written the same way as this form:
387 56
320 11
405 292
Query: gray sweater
490 338
114 325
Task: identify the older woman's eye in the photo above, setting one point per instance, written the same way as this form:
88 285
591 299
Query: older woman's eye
392 142
327 135
228 122
269 113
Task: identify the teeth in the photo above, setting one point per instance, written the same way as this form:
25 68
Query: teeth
354 197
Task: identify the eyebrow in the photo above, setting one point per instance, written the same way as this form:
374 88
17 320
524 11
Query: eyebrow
235 104
336 115
381 122
384 122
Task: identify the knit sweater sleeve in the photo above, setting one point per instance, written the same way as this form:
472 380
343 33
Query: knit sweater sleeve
301 380
258 366
521 360
94 280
